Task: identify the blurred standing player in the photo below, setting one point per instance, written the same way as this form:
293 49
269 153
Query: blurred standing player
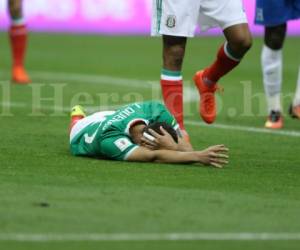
18 41
274 15
176 21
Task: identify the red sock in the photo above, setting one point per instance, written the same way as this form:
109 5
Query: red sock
74 120
18 41
172 94
223 64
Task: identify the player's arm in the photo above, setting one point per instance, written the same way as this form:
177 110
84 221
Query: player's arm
215 156
165 141
183 145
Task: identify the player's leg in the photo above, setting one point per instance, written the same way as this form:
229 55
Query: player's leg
171 77
271 61
175 21
18 41
295 106
232 19
228 57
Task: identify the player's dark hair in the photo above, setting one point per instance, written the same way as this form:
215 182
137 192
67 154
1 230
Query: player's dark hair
156 127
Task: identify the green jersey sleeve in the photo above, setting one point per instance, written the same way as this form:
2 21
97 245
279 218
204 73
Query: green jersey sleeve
117 147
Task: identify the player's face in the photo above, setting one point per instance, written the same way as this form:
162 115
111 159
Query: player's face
136 133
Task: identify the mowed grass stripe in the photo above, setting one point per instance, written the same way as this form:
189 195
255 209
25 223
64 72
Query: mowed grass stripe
246 236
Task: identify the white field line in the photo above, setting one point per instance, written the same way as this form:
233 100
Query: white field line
289 133
190 94
50 237
14 104
96 79
89 109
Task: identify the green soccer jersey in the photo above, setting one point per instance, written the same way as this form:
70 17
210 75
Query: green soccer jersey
106 134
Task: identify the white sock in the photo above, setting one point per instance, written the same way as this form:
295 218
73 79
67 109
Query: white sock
271 61
297 94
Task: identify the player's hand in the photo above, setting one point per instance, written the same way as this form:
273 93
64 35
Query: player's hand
152 145
215 156
164 141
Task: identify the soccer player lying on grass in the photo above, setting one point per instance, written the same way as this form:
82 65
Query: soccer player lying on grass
141 132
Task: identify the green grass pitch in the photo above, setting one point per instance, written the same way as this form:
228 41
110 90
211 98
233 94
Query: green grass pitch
259 191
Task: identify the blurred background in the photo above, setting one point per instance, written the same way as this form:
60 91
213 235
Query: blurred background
75 56
112 17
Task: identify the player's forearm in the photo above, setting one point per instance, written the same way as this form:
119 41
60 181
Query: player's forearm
142 154
184 146
168 156
215 156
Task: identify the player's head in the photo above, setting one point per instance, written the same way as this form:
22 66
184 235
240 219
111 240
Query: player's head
156 127
140 129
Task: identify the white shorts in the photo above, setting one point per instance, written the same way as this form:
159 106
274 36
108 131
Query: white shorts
181 17
85 122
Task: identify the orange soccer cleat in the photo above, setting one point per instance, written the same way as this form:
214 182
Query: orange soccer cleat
20 76
294 111
274 121
77 113
207 107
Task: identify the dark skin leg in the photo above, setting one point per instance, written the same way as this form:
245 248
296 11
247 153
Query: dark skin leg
239 39
275 36
15 8
173 52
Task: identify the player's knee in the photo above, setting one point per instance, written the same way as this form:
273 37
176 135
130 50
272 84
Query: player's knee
15 8
274 36
243 44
